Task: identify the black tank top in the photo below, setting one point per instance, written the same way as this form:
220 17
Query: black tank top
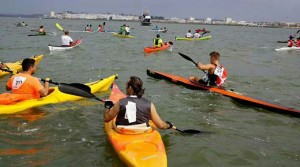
143 108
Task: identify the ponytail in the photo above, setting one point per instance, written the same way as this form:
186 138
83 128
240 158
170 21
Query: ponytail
137 86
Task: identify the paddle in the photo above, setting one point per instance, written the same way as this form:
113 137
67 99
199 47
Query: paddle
6 70
292 38
189 59
9 70
66 88
296 34
59 26
78 90
188 131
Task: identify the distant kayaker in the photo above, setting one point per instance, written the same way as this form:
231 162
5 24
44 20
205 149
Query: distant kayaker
122 29
25 85
156 28
197 34
66 40
298 42
290 42
134 109
157 42
216 73
127 30
189 34
42 30
100 28
87 28
164 30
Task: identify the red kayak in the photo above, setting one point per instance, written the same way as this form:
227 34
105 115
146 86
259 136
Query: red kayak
151 49
246 100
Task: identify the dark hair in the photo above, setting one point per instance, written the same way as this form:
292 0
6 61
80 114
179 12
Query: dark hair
215 54
137 86
66 32
27 63
157 36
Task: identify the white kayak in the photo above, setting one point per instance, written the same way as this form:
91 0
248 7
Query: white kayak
288 48
60 48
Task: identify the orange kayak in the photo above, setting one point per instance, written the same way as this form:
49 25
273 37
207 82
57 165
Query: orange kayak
141 150
151 49
17 66
246 100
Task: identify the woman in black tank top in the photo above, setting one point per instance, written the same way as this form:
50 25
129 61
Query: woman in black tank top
144 108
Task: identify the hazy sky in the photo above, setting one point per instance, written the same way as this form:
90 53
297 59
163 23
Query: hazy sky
248 10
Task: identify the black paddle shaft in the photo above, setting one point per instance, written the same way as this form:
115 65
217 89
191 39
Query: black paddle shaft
189 59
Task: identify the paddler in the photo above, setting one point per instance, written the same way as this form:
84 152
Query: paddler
127 30
66 40
2 65
134 109
298 42
122 29
189 34
42 30
197 34
157 42
100 28
25 85
216 73
87 28
290 42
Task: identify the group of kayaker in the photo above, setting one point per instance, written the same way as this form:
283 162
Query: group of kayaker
164 30
196 34
292 43
23 24
88 28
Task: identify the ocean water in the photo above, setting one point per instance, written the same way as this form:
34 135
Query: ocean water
72 133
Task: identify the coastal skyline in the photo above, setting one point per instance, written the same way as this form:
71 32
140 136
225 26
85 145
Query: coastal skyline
250 10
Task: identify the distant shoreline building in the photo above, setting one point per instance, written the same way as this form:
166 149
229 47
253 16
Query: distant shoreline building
191 20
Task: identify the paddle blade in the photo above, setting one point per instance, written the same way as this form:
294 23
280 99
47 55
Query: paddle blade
76 89
189 131
187 58
59 27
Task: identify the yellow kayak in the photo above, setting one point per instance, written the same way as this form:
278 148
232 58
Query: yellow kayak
144 149
17 66
56 96
193 39
122 36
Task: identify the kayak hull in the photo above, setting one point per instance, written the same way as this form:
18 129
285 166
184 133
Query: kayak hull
246 100
17 66
56 97
193 39
288 48
156 49
139 150
122 36
61 48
